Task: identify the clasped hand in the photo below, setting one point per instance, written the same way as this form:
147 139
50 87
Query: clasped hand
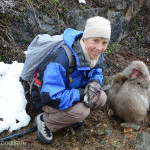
92 93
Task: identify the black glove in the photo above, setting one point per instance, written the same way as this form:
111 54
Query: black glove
92 93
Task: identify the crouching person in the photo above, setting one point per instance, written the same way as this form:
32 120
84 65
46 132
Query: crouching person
52 119
67 98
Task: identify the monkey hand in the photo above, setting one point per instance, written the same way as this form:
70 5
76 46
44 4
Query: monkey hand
92 93
120 78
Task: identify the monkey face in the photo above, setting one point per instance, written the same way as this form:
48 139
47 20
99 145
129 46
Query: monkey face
136 69
136 74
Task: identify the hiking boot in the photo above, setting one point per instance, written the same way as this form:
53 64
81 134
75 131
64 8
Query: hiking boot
78 124
44 134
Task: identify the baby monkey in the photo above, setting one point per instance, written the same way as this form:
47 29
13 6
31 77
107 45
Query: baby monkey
129 94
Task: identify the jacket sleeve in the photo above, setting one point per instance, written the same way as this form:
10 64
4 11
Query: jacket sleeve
53 88
96 74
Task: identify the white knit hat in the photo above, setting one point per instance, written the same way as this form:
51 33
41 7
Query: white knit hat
97 27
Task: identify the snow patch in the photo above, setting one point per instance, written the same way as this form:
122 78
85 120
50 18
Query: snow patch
12 100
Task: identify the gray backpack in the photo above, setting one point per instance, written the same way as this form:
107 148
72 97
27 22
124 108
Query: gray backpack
41 46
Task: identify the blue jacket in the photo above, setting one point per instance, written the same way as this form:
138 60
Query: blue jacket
56 89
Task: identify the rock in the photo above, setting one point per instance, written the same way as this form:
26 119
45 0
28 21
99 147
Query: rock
75 148
6 5
36 22
130 125
120 26
110 112
109 132
99 132
102 142
105 125
142 141
72 131
77 18
98 125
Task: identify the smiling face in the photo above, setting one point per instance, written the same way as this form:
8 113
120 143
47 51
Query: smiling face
95 46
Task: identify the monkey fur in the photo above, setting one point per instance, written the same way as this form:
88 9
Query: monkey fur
129 98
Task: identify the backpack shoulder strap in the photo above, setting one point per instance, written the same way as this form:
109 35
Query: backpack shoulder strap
69 54
71 62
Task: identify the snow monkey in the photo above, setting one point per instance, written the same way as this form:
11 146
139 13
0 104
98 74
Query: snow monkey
129 94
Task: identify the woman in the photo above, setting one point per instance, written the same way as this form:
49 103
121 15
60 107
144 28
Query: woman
66 103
